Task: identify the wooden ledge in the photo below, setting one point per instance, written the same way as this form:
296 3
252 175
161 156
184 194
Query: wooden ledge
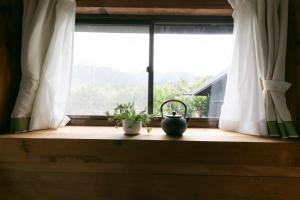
100 162
111 133
107 150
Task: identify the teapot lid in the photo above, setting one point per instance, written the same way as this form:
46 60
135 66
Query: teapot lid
174 115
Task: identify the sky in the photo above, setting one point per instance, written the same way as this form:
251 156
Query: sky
193 53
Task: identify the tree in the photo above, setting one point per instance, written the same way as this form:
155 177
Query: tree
87 99
197 106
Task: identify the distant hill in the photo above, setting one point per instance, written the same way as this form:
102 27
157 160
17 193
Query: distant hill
104 76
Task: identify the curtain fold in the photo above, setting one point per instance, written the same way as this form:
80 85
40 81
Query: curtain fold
47 46
272 26
243 108
260 52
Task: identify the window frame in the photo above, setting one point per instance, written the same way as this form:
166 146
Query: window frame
150 21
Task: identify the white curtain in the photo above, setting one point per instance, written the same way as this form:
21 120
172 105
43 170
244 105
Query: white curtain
272 24
243 108
255 94
47 46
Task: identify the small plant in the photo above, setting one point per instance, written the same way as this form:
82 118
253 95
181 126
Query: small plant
126 112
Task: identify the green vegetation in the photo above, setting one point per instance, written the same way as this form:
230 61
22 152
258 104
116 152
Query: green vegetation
181 90
88 99
127 112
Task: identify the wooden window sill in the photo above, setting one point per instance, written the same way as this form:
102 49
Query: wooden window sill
102 157
108 150
157 134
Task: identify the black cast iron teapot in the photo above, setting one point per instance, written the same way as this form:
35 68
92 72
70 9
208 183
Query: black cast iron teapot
174 125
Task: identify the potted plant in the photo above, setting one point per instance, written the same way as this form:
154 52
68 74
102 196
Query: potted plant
131 121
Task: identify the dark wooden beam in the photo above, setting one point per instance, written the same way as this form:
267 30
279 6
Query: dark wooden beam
204 4
155 7
10 58
155 11
293 62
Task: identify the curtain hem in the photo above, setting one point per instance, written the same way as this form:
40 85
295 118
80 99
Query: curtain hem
20 124
286 129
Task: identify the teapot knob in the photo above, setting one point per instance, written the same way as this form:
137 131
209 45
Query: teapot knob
174 113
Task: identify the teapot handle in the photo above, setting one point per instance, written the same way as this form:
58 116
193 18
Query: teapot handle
161 108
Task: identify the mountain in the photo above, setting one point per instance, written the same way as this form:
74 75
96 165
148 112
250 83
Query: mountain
105 76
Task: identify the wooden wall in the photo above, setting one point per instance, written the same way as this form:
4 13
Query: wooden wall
10 47
10 35
294 71
113 169
10 44
208 4
200 166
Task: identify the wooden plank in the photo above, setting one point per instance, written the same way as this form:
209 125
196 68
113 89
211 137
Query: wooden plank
36 186
102 163
296 71
207 4
72 166
155 11
112 133
291 70
10 48
297 19
156 7
295 32
100 146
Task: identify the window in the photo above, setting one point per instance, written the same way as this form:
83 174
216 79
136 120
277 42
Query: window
149 61
109 68
186 58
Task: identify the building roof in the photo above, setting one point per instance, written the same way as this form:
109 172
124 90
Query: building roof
205 89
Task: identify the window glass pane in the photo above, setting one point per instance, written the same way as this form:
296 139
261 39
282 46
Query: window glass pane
109 68
190 65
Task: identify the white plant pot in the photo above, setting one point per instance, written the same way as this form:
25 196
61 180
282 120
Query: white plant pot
131 127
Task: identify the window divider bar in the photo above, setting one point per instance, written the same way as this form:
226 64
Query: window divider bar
150 69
